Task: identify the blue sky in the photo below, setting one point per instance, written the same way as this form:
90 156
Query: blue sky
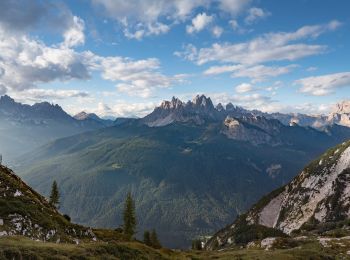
122 58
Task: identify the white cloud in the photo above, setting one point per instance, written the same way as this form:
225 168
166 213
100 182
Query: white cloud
244 88
257 73
269 47
146 30
233 7
199 22
310 69
27 62
215 70
124 109
255 14
325 84
49 94
217 31
261 72
140 18
135 77
137 17
74 36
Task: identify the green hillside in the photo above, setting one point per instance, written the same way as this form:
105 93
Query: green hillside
187 180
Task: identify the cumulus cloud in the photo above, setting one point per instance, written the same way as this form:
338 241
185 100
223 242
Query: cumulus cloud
244 88
217 31
27 62
269 47
255 14
199 22
21 15
143 18
74 35
325 84
135 77
51 16
138 17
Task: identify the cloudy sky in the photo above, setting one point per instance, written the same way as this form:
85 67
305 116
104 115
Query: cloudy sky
122 58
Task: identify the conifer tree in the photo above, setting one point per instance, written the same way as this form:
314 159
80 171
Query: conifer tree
55 195
147 238
154 240
129 217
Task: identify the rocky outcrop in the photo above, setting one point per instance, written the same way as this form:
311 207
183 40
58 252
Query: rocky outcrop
319 194
340 114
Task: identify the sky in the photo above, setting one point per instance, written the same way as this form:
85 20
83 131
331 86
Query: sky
122 58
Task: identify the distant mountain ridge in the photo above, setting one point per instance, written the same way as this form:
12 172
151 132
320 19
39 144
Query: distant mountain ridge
24 127
82 116
201 109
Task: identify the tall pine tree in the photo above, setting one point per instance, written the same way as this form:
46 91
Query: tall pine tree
55 195
154 240
129 217
147 238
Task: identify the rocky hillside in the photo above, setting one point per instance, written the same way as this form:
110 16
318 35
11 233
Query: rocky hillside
319 194
24 212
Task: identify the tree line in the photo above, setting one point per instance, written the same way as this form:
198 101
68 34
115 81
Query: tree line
150 238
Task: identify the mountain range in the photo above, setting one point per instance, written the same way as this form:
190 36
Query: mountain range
315 203
25 127
190 166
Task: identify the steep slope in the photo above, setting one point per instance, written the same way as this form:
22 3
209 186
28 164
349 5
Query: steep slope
24 127
24 212
187 179
319 194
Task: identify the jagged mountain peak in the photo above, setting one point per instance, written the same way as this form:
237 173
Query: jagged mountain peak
203 101
342 107
7 99
175 103
340 114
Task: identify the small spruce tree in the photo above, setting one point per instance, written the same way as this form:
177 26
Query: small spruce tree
129 217
147 238
196 244
55 195
154 240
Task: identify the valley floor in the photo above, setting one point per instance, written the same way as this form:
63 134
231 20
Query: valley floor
23 248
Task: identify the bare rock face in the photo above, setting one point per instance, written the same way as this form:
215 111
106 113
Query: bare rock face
320 193
234 129
198 111
340 114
